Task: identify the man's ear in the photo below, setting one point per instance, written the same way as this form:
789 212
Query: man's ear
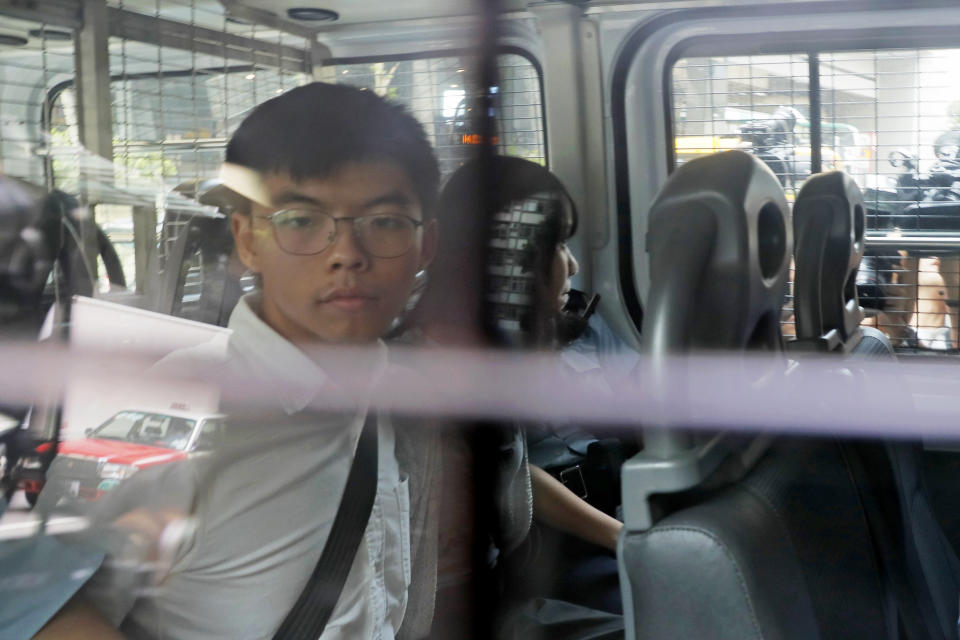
242 226
431 237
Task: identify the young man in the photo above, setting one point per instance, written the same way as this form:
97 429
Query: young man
336 189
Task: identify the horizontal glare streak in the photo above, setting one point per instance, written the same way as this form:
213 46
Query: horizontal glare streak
814 394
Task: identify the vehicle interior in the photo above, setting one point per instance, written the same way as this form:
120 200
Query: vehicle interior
767 198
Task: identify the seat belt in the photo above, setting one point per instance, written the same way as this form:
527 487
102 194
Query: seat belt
308 617
875 497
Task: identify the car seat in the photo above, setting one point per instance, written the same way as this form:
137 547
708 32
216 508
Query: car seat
922 572
730 537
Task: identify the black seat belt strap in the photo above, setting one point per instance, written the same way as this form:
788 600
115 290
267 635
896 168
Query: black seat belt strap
308 617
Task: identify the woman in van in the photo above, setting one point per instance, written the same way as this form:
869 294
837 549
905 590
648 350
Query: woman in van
526 288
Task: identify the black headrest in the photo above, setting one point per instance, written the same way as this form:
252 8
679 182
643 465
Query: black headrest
828 225
719 244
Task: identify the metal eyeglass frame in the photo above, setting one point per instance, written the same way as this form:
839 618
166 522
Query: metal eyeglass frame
336 231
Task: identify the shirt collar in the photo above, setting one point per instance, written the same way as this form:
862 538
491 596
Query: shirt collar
292 375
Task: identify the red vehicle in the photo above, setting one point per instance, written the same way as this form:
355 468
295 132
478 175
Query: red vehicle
126 443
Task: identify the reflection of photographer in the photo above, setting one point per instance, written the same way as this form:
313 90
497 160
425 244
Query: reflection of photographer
41 240
771 140
43 261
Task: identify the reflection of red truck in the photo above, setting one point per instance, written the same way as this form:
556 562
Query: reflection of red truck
126 443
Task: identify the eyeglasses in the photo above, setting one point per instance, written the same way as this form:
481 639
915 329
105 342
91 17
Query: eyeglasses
306 232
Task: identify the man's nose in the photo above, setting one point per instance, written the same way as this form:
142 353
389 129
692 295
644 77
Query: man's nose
347 252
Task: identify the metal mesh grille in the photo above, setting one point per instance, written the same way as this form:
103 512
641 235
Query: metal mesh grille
25 71
174 108
433 90
889 118
745 102
183 75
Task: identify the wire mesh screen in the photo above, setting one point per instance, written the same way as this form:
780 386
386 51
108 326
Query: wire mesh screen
33 56
434 90
183 75
893 119
756 103
174 107
890 119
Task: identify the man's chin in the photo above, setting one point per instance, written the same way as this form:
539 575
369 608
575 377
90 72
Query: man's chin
351 335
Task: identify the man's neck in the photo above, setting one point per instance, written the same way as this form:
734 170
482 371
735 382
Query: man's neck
352 366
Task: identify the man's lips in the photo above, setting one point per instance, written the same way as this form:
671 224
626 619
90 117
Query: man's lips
349 300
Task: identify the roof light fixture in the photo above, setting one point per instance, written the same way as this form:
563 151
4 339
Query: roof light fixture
13 41
311 14
50 34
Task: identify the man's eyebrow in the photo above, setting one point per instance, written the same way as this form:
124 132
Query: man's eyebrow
395 197
293 197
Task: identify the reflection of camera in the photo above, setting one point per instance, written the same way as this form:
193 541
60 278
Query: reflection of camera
874 279
575 316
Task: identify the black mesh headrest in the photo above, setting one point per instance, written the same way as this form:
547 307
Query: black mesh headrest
719 245
828 225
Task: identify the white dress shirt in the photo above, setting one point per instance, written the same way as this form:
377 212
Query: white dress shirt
262 516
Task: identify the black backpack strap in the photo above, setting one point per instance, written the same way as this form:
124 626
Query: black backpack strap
308 617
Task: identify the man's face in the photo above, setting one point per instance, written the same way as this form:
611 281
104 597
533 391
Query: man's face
342 294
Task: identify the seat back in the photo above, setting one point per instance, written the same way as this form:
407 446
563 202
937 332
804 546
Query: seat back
725 215
828 227
719 246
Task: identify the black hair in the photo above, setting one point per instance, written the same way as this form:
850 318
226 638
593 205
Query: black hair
516 179
315 130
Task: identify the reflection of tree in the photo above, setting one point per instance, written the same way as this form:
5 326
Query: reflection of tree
63 171
147 164
953 112
383 74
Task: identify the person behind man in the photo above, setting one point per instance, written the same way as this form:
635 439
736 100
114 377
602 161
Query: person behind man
336 219
932 319
540 266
